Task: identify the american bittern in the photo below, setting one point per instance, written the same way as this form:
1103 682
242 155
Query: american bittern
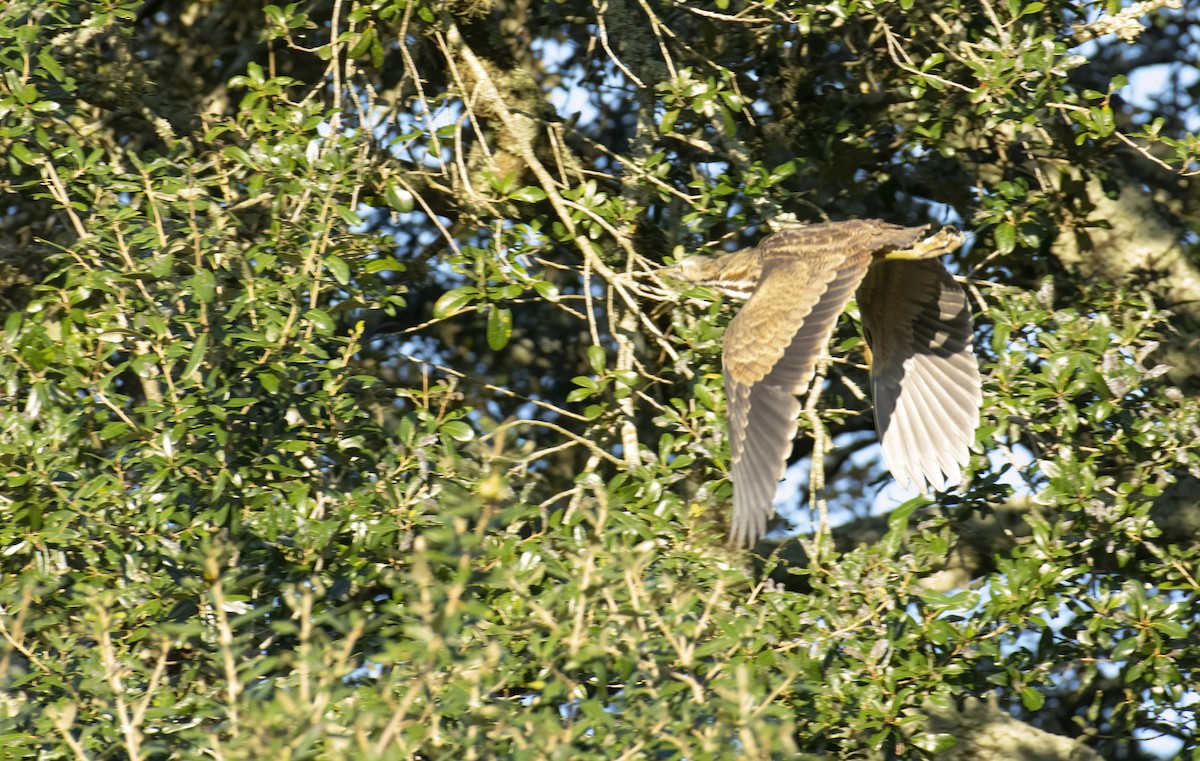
924 378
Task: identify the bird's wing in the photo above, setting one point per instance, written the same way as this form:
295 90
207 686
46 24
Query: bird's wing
771 350
924 377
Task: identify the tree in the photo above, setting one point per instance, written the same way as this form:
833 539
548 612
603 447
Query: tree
343 416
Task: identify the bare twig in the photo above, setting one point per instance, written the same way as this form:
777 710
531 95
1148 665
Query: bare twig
490 387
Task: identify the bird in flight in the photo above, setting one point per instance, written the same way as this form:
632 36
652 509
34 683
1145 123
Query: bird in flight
924 378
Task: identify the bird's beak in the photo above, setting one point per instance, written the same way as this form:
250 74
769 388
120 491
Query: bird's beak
689 269
670 271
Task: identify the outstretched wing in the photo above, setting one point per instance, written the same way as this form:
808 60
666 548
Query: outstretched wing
772 346
924 377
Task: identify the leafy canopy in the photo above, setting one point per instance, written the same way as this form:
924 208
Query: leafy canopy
342 418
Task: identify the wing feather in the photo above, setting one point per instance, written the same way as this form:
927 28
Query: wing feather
795 307
924 377
772 346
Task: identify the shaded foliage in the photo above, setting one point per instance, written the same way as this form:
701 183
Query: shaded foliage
343 416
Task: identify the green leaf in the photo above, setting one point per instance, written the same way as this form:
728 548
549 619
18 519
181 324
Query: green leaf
1006 237
321 319
384 264
784 170
204 286
1125 648
667 124
627 377
458 430
1171 628
1032 699
452 302
596 358
586 382
578 395
339 269
363 43
23 154
348 215
528 194
51 66
499 327
898 521
196 357
588 387
399 198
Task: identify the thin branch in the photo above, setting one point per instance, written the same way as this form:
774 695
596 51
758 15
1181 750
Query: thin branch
576 439
602 34
498 389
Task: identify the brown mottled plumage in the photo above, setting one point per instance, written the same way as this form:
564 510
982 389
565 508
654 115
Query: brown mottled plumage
924 377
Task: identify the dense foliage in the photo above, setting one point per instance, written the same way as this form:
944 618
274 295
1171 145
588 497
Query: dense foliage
342 415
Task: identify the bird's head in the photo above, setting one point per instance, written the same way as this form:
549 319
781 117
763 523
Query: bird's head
733 274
